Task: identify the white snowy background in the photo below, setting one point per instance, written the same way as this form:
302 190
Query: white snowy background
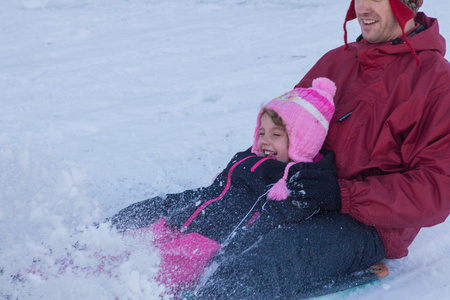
104 103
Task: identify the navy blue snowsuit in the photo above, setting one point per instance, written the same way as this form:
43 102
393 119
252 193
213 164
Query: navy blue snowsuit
250 265
240 192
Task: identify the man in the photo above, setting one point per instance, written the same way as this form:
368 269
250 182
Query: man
391 136
393 150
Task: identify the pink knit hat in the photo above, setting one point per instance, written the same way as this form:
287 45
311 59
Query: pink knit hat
307 114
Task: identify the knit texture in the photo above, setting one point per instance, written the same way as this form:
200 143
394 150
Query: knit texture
414 5
307 114
280 191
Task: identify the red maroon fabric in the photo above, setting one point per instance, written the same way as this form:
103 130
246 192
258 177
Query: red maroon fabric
401 12
391 134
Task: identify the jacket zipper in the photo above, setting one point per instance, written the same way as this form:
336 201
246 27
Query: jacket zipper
201 207
345 116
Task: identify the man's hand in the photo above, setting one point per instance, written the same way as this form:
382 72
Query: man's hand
315 185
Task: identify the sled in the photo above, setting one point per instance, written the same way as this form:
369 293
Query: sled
338 288
346 285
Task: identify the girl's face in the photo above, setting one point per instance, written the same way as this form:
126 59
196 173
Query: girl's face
273 139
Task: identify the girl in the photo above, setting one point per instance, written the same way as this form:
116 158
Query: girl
244 200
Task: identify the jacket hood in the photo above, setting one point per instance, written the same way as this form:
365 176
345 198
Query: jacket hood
372 55
402 12
431 39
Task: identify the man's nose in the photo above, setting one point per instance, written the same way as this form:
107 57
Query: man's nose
362 6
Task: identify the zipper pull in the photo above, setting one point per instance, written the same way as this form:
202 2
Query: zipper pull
345 116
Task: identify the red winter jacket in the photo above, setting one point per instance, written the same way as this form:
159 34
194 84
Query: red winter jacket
391 133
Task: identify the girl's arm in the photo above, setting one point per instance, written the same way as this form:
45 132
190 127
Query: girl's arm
140 214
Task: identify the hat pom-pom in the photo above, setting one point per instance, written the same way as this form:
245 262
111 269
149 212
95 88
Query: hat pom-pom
325 85
280 191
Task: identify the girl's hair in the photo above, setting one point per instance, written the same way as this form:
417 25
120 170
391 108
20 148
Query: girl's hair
276 119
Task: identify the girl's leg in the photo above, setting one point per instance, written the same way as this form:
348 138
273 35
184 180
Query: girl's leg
297 261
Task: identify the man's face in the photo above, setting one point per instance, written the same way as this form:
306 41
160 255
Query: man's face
377 21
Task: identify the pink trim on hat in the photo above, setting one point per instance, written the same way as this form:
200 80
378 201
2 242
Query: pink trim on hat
306 113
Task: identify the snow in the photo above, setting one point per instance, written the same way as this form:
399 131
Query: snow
106 103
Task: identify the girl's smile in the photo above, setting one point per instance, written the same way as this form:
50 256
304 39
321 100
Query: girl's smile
273 139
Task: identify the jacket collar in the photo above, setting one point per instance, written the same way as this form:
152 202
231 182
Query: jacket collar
426 37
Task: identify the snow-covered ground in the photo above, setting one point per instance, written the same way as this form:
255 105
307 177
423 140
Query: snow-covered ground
107 102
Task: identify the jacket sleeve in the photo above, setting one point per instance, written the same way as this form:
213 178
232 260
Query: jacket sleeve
417 194
141 214
175 207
